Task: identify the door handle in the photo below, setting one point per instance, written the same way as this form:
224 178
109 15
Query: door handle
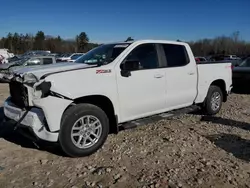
191 73
158 76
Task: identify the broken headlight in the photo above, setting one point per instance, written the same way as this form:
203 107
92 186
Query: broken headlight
29 78
44 87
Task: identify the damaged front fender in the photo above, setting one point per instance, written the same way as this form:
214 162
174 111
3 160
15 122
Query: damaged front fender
53 109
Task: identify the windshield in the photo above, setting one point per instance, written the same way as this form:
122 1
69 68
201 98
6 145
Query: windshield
66 55
76 56
103 54
22 61
245 63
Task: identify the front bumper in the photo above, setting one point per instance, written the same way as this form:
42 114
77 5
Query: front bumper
34 120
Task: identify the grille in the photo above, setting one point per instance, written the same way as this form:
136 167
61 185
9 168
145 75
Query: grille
19 94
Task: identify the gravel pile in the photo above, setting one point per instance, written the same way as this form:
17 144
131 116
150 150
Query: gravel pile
186 151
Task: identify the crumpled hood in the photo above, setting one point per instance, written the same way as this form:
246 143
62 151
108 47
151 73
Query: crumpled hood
41 70
6 65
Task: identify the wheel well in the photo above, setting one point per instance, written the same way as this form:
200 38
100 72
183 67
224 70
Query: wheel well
105 104
222 85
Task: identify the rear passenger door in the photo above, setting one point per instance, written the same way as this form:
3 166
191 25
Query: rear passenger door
181 76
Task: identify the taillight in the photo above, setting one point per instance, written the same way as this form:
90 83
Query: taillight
230 66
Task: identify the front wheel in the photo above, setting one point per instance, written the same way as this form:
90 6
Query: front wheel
84 129
213 101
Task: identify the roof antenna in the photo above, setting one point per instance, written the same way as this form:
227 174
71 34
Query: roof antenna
129 39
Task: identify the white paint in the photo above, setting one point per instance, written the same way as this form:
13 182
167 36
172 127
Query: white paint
49 106
144 93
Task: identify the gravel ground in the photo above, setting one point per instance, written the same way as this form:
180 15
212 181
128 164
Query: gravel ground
187 151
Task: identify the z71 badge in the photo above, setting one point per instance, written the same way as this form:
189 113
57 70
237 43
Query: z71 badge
103 71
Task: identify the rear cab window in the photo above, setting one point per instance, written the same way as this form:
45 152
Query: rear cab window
176 55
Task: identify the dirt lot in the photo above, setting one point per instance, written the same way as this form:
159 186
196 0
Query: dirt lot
188 151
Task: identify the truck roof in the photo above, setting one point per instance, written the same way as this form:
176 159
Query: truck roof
149 41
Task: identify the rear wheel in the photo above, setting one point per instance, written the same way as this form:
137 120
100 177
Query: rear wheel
213 101
84 129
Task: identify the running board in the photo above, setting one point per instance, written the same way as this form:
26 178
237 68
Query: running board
154 118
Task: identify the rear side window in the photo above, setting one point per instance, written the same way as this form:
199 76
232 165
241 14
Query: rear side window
176 55
47 61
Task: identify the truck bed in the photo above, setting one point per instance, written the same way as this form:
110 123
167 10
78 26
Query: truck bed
210 71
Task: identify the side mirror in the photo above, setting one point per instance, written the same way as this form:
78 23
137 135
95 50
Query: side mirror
128 66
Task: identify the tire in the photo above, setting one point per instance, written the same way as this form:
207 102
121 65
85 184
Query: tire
68 142
208 105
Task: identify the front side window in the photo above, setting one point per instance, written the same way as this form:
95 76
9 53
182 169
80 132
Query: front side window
146 55
103 54
176 55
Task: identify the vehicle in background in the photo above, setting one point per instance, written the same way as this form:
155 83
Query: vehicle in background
231 57
52 104
74 57
62 57
222 57
6 70
245 57
68 57
201 58
35 52
14 58
5 55
236 62
54 54
29 54
241 74
197 60
217 57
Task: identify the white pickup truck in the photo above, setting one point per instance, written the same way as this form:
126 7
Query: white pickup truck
79 104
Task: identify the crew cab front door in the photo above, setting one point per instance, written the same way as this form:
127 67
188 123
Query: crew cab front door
142 92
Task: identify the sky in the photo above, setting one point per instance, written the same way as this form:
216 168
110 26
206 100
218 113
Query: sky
115 20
